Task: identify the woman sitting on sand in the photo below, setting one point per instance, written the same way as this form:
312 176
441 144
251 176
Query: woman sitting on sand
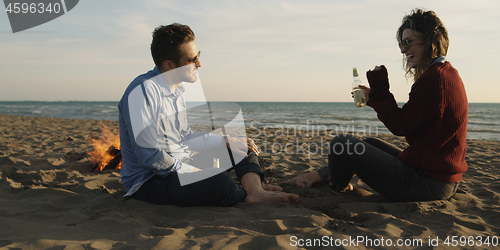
434 122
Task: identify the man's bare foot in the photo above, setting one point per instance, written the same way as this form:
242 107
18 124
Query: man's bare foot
255 192
272 188
305 180
257 195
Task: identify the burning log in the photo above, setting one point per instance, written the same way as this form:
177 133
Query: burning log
106 153
114 163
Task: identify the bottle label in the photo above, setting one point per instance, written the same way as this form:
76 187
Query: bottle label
355 72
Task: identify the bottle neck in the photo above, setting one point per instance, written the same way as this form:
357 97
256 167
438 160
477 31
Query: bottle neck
356 80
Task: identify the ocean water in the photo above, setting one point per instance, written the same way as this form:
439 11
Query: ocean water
484 118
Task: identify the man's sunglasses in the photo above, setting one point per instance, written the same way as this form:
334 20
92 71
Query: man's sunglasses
195 59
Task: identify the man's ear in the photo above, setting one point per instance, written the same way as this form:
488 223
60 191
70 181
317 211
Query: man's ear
168 65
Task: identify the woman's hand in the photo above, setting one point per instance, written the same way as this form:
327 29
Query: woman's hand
366 90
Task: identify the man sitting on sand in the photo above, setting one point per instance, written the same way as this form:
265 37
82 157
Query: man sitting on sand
156 140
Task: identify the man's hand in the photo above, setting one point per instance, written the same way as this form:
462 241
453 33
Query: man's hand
252 147
241 146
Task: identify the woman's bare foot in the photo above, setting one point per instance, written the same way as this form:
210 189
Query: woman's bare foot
305 180
343 190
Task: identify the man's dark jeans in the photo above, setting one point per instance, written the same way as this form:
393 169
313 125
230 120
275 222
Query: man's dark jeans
218 190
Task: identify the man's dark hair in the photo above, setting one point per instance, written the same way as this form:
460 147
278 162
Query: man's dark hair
166 42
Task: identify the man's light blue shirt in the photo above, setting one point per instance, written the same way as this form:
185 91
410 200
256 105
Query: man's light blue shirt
155 136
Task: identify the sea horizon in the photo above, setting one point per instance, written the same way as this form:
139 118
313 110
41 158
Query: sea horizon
484 118
222 101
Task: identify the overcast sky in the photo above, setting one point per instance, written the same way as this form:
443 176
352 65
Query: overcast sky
251 50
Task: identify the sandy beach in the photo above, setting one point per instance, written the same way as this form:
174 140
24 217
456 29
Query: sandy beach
51 199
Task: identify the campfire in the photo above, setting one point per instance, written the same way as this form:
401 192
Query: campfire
106 153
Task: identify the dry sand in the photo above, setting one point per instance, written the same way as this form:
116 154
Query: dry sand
50 199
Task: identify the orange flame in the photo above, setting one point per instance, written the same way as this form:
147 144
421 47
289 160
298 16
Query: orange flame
102 153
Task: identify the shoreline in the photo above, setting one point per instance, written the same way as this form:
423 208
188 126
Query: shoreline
281 127
51 199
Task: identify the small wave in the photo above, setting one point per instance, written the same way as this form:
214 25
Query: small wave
344 118
110 111
483 123
484 130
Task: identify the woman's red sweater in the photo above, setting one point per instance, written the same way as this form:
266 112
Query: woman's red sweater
434 120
